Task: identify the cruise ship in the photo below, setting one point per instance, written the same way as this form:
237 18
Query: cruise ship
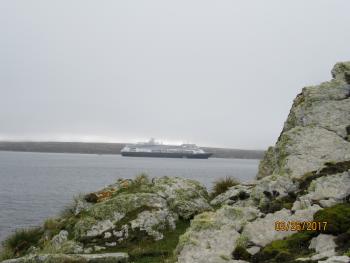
154 149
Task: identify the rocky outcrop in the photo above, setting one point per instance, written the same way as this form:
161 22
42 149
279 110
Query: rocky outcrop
305 176
325 110
307 170
212 235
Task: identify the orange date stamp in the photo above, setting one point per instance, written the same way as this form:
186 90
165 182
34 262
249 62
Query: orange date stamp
300 226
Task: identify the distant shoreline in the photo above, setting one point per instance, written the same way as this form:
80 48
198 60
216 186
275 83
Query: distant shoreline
112 148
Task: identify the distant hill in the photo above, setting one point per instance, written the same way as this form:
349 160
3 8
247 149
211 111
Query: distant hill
111 148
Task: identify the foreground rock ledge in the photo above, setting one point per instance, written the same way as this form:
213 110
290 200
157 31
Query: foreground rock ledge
81 258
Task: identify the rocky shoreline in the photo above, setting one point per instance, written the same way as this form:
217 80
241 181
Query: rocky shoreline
305 177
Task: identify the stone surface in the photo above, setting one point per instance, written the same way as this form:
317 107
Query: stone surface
60 238
336 259
212 235
150 221
79 258
262 231
306 149
322 107
153 208
326 190
185 197
324 245
232 195
253 250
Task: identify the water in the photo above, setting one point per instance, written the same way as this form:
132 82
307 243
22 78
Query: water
35 186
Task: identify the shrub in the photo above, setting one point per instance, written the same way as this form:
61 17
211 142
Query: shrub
222 185
337 217
17 244
141 179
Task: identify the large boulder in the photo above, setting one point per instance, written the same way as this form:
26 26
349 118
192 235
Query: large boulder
325 109
212 236
147 206
326 191
262 231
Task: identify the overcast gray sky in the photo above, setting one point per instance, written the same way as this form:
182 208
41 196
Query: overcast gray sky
217 73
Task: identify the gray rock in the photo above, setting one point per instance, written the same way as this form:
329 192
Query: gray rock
111 244
336 259
153 221
232 195
59 239
326 190
324 245
323 109
89 258
212 236
80 206
341 71
99 228
253 250
262 231
185 197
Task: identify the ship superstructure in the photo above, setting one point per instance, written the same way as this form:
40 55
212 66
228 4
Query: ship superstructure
154 149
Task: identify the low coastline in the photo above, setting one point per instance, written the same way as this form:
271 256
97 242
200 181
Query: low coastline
112 148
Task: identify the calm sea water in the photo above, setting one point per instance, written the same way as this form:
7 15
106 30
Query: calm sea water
34 186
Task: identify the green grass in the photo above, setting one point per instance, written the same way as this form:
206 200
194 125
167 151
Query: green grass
17 244
337 218
286 250
222 185
149 251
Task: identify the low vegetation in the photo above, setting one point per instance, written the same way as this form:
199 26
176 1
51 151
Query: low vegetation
337 217
18 243
222 185
150 251
286 250
275 203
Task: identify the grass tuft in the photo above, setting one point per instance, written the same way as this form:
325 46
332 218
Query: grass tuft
18 243
222 185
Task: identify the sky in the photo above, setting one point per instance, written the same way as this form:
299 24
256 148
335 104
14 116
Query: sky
215 73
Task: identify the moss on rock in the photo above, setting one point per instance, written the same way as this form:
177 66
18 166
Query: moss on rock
337 218
286 250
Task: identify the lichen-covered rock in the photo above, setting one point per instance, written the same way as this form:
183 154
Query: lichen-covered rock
336 259
325 109
105 216
262 231
79 258
60 238
268 164
324 245
233 194
153 221
326 190
212 235
305 149
273 185
341 71
185 197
